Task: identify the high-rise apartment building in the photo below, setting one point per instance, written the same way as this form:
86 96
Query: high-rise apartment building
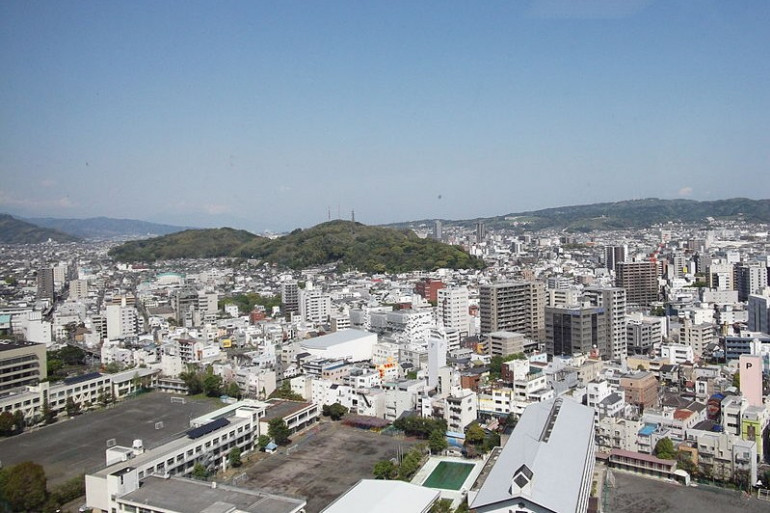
577 330
452 308
613 300
513 306
314 305
640 279
289 297
45 284
750 279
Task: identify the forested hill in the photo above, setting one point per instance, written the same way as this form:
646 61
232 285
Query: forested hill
642 213
203 243
348 244
15 231
356 246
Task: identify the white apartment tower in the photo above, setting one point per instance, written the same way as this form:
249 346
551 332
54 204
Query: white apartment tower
314 305
452 309
437 348
613 299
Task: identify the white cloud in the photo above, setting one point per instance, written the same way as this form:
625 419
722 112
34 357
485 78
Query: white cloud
47 182
685 192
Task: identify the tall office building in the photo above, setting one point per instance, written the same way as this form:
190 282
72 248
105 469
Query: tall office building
577 330
481 232
750 279
452 308
613 299
640 279
613 255
437 231
45 284
513 306
289 297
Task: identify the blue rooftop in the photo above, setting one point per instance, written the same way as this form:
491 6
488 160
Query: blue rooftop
648 429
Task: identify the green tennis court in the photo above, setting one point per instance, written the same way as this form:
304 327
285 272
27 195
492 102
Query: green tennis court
448 475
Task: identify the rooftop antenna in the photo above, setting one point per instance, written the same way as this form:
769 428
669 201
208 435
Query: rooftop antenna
353 216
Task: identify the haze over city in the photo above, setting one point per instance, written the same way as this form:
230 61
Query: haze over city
272 115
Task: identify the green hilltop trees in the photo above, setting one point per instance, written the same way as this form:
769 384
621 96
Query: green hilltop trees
347 244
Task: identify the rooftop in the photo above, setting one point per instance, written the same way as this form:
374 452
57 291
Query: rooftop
282 409
384 497
550 444
336 338
7 345
189 496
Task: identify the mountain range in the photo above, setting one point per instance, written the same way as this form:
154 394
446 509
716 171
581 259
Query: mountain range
642 213
629 214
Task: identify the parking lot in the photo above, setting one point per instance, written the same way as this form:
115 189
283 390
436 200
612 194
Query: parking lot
634 494
75 446
322 463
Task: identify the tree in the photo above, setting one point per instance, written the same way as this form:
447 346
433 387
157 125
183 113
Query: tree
285 392
49 416
212 385
193 381
441 506
199 472
7 424
437 442
335 411
474 434
409 465
262 442
278 431
66 492
72 355
234 457
737 380
24 486
664 449
18 421
72 407
385 469
684 462
233 390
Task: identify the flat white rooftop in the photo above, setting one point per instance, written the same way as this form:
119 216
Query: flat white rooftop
378 496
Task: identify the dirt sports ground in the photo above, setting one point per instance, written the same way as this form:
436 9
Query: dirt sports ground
323 462
635 494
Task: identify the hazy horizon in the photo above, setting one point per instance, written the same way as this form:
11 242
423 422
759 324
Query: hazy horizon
271 115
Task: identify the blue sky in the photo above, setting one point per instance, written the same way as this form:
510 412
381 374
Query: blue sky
268 115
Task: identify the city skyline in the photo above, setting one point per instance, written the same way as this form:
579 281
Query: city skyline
270 116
